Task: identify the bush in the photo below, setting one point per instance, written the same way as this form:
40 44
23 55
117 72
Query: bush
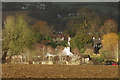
100 59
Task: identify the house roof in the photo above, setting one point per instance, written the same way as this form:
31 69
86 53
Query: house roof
59 35
48 54
96 41
46 41
66 52
86 56
59 48
39 45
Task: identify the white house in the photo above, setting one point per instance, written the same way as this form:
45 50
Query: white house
66 50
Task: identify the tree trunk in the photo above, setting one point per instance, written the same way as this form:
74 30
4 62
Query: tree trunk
4 57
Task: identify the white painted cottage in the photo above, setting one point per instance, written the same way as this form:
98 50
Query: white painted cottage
66 50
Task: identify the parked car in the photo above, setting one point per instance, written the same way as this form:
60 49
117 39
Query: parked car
118 63
114 63
109 62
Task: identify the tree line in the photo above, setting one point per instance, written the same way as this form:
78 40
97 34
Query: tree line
18 34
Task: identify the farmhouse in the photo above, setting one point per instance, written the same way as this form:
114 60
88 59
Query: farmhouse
97 44
59 37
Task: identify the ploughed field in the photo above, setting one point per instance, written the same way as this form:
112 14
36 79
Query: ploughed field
58 71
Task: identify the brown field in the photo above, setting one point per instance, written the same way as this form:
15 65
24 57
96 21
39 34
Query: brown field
58 71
